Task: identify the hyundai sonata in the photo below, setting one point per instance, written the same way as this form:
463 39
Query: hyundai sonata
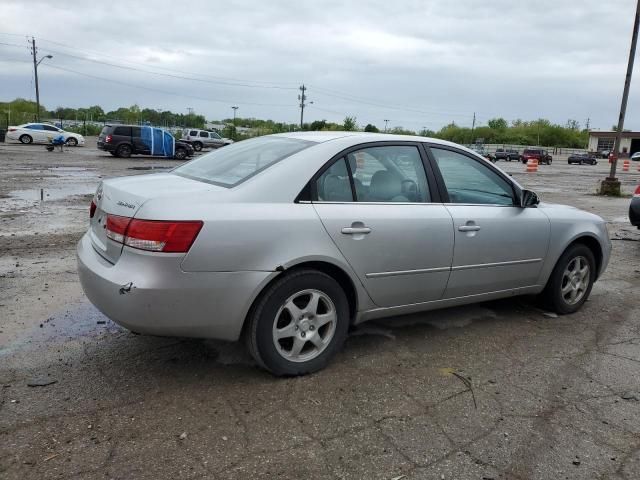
289 240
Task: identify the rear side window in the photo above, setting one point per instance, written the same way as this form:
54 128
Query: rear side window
34 127
334 184
193 133
232 165
125 131
204 134
469 181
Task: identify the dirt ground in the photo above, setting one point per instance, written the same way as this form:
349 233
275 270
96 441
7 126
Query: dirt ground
500 390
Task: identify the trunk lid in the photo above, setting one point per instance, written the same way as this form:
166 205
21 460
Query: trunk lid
124 197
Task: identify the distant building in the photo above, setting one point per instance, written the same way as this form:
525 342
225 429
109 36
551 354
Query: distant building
600 140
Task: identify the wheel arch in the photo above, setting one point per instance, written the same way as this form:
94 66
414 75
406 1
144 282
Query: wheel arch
593 244
334 271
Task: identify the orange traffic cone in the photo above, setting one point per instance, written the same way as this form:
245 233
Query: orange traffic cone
625 165
532 165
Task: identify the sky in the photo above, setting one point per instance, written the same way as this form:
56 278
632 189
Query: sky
417 64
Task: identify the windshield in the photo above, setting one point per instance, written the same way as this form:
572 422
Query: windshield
233 164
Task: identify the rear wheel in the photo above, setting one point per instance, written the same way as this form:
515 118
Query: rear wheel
26 139
571 281
197 146
123 151
298 324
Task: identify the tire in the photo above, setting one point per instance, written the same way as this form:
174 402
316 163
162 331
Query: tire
72 142
123 151
180 154
276 352
26 139
561 279
197 146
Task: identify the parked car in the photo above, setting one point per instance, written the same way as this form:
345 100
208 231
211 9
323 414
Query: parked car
634 208
536 153
42 133
203 138
126 140
582 159
635 157
506 154
278 239
604 153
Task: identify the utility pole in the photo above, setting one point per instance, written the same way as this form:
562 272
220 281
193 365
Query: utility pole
611 185
386 121
302 97
234 121
36 62
587 129
473 127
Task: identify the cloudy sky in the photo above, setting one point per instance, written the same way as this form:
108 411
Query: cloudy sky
416 63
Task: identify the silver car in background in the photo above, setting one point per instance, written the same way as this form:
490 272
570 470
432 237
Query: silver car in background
289 240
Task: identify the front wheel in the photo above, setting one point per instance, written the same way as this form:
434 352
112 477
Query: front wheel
180 154
72 142
571 281
299 323
197 146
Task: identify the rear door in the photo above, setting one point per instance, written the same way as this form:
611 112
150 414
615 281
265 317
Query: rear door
37 133
375 203
498 244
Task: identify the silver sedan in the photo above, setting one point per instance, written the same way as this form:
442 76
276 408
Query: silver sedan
289 240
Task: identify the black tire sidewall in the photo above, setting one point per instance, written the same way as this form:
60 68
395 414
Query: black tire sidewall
180 154
264 316
553 294
122 148
197 146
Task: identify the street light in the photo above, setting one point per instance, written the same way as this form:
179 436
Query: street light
35 71
234 121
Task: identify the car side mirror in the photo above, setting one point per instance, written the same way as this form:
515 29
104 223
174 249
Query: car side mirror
529 199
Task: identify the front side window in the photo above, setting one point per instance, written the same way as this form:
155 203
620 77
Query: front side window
469 181
389 174
214 135
50 128
232 165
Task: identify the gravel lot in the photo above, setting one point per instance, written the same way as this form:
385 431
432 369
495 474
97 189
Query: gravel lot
499 390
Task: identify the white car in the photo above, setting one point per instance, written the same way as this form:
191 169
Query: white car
42 133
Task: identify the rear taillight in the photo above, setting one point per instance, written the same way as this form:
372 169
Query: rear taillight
153 235
92 209
637 192
108 139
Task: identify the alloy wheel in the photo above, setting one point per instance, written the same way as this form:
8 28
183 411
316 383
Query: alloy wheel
575 280
304 325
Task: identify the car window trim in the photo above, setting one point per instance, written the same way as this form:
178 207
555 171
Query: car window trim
515 192
311 189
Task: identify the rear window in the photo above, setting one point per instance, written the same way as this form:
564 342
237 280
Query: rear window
232 165
122 131
532 152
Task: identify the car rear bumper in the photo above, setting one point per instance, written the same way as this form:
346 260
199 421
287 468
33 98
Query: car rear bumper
149 293
107 147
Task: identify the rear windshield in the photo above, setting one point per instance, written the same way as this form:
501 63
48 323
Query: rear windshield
533 152
233 164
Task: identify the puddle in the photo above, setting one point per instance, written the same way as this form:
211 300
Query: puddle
56 193
75 172
150 167
81 321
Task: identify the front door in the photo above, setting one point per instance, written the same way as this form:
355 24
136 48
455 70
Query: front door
374 203
498 244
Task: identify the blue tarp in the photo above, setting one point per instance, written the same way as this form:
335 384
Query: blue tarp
159 141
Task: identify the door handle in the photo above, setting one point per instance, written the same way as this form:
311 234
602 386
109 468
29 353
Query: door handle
468 228
356 230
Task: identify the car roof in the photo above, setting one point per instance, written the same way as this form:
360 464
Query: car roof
364 137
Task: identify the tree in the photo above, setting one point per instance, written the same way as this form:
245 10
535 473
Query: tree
573 124
498 124
318 125
371 128
349 124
